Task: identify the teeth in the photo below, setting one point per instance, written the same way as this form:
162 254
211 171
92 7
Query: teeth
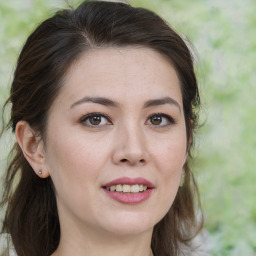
128 188
112 188
135 188
119 188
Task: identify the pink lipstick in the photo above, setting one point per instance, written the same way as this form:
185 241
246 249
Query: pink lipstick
129 190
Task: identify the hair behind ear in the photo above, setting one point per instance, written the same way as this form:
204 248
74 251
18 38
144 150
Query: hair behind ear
181 223
32 198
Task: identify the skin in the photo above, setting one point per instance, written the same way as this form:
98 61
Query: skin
81 157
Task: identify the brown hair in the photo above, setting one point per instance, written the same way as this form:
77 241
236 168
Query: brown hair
31 216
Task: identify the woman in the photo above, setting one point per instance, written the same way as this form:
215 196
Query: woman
104 101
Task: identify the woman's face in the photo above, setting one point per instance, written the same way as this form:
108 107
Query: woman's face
116 141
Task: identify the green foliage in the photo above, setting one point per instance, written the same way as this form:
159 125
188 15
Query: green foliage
223 34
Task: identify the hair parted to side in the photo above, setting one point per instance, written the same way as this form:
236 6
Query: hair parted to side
31 216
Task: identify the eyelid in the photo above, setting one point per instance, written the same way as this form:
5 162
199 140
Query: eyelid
170 119
84 118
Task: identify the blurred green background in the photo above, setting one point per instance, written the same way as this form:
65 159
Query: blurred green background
224 37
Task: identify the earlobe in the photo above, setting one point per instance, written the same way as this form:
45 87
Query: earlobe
32 147
190 136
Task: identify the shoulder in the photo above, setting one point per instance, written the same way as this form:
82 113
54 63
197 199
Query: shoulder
6 247
199 246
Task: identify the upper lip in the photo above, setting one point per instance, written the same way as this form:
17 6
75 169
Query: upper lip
129 181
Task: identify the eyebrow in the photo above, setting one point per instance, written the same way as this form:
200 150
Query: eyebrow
98 100
162 101
111 103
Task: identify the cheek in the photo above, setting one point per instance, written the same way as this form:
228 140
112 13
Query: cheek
74 170
170 163
170 156
75 159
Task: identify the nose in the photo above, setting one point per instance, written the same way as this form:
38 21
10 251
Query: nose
130 147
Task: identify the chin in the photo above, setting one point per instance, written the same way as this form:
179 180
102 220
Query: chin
131 224
128 230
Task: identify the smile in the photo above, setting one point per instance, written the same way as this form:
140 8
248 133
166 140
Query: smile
125 188
129 190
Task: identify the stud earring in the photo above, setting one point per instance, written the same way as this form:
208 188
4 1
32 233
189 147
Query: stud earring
182 178
40 172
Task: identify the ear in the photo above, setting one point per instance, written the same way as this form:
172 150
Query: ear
32 147
185 158
189 141
191 135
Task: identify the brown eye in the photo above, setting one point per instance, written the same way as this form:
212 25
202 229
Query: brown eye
160 120
95 119
156 120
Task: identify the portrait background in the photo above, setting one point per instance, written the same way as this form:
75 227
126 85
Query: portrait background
224 48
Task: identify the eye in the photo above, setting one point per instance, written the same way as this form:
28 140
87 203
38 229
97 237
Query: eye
95 119
160 119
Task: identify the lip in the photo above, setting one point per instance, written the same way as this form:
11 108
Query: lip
129 198
129 181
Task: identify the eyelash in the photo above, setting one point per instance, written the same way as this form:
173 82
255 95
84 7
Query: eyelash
87 117
169 119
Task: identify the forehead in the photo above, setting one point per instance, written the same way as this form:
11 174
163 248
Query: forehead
112 72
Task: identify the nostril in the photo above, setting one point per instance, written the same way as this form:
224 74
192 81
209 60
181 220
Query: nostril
124 160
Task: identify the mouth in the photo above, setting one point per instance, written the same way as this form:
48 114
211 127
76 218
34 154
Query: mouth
128 190
125 188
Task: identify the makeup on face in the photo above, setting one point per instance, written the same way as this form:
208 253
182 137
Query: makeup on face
116 141
129 190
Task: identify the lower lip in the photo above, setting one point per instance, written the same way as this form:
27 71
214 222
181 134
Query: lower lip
129 198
